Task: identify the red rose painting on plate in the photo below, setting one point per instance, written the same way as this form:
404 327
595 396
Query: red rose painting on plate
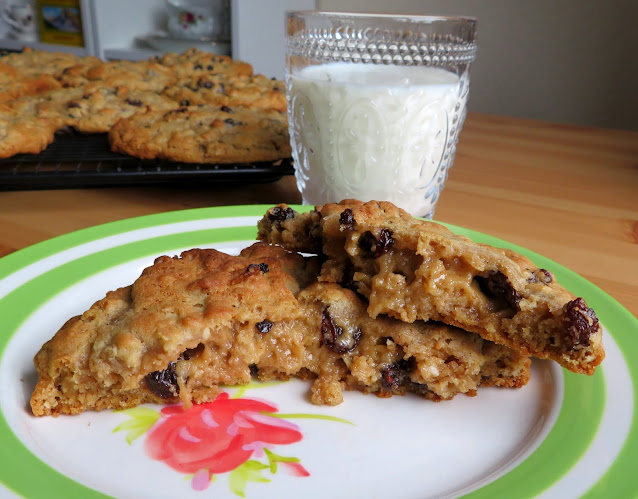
225 436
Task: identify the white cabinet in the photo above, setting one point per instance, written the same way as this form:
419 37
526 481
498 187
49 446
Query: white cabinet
115 29
258 32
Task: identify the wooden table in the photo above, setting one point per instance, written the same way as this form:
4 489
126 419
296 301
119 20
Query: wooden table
569 193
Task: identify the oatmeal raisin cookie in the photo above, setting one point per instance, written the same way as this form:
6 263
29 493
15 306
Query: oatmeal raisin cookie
192 323
415 269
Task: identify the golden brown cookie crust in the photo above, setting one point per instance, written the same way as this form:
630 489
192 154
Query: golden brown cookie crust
204 134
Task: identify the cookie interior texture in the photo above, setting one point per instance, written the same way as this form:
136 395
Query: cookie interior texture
414 269
193 323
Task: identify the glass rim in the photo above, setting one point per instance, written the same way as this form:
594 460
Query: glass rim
359 37
381 15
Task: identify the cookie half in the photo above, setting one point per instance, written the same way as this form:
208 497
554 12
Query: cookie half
414 269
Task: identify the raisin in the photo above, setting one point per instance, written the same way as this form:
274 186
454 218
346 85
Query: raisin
263 267
163 383
232 122
370 244
580 321
386 241
545 276
392 377
367 241
184 102
346 219
226 109
134 102
330 333
279 214
418 388
264 326
541 275
191 353
254 370
178 110
209 67
206 84
74 104
495 285
198 66
408 365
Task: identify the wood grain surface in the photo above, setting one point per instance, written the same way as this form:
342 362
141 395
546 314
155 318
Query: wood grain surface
569 193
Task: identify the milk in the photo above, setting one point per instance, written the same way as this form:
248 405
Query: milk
374 132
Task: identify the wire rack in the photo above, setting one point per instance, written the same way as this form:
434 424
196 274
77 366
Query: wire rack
75 160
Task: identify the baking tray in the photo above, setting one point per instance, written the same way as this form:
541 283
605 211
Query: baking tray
76 160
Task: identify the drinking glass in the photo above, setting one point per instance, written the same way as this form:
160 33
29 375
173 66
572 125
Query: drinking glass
376 103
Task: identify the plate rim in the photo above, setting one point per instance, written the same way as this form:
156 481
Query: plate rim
619 318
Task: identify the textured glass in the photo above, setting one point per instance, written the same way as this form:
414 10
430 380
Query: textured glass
376 104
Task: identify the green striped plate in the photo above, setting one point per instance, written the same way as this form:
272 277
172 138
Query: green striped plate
562 435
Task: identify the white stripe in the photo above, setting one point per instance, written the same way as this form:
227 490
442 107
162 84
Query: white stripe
612 433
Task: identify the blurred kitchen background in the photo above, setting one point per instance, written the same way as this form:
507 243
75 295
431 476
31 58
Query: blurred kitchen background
568 61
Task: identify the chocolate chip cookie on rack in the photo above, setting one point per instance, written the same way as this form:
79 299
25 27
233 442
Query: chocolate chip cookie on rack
14 84
99 108
24 132
414 269
134 75
204 134
32 63
226 114
196 63
28 123
255 91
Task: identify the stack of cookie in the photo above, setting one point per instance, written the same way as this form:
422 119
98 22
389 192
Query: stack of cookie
190 107
418 270
387 304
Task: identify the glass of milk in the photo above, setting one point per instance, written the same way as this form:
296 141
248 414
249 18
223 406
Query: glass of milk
375 104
